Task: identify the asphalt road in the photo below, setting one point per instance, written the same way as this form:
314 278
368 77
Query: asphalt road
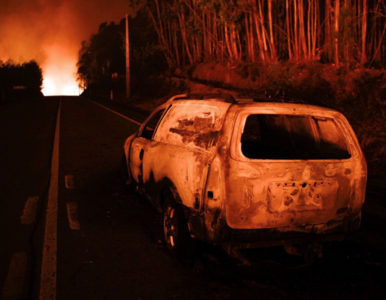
99 241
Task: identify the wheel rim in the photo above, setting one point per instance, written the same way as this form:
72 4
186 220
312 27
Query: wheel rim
170 227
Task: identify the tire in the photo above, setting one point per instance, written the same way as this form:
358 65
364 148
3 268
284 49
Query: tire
177 238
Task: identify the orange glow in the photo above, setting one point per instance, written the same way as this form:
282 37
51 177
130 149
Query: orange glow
59 72
50 32
59 84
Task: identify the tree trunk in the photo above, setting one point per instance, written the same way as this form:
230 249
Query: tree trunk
336 32
327 38
258 31
181 18
364 32
288 28
272 40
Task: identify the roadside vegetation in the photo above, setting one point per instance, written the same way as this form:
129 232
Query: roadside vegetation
330 52
19 80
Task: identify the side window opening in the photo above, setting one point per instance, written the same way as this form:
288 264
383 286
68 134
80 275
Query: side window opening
292 137
192 125
151 125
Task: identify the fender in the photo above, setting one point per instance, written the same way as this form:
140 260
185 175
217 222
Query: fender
126 148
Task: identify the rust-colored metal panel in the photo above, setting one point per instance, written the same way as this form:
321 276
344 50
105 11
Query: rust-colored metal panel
290 193
267 167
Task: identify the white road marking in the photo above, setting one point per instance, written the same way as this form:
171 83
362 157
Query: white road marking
49 260
117 113
72 214
14 283
69 182
29 211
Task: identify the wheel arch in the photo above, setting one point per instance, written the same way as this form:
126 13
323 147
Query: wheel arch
168 188
127 152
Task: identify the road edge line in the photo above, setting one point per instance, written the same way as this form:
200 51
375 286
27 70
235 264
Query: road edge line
117 113
49 259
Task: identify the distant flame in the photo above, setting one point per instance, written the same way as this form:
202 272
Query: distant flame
50 33
62 84
59 73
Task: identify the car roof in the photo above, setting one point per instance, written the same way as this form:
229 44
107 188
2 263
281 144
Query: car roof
264 101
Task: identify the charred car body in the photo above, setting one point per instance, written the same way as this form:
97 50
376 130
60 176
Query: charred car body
251 173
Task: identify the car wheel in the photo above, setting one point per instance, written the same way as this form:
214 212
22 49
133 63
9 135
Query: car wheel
176 233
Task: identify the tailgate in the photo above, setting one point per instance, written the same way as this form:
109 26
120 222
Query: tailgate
293 171
292 194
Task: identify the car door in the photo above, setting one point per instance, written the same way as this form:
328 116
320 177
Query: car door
141 143
182 148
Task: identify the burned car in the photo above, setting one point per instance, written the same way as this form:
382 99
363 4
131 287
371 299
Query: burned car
248 173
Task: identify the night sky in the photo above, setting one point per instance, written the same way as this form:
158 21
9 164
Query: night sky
50 32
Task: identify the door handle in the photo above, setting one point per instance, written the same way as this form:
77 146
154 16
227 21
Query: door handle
141 154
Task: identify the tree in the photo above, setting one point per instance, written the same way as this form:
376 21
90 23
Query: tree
19 80
102 55
336 31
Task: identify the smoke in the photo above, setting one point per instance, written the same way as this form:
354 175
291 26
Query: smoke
50 32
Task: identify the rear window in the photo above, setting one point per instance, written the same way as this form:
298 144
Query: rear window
292 137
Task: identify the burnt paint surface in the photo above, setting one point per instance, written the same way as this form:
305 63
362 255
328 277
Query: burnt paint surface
294 195
193 124
185 168
202 140
289 199
181 151
194 149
